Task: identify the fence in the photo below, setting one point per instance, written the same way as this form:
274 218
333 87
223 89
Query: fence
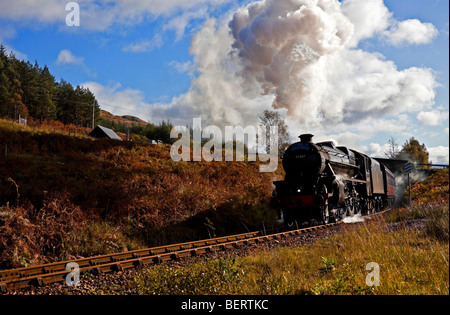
22 121
431 166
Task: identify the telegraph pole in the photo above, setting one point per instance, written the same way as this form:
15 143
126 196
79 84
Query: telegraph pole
409 185
408 169
93 116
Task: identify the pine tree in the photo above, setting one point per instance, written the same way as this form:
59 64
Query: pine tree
10 87
46 94
29 76
27 89
66 99
4 87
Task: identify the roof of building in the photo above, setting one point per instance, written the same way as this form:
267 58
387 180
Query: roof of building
107 133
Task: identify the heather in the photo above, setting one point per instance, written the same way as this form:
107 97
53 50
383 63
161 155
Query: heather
65 196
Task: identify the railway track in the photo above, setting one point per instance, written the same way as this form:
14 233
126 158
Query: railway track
16 279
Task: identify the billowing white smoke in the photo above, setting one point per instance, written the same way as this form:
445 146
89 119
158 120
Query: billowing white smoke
302 57
281 42
218 93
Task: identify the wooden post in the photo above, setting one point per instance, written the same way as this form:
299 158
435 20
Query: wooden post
407 168
409 184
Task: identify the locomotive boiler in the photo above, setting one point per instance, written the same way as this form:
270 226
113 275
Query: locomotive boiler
325 183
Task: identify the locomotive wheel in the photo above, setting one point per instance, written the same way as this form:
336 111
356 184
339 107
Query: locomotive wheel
357 207
334 216
350 211
289 219
371 207
325 215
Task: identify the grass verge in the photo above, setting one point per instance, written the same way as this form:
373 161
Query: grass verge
411 261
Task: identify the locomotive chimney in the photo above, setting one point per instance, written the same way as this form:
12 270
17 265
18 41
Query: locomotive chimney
306 138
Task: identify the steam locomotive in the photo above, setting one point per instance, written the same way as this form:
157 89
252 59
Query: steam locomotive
325 183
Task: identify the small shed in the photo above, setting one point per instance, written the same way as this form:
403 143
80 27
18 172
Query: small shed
102 132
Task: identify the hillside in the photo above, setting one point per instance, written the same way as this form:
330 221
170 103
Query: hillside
69 196
126 120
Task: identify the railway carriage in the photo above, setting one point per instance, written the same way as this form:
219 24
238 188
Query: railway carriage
325 183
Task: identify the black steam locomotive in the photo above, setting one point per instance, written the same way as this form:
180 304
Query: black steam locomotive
325 183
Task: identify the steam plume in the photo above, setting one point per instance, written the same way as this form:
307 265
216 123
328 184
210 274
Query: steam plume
301 57
279 42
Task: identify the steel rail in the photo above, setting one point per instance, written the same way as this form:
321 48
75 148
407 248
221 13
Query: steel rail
52 273
11 280
44 274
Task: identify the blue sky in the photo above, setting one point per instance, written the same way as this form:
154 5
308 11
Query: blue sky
178 59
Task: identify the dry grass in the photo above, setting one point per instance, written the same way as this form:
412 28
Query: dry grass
430 203
410 263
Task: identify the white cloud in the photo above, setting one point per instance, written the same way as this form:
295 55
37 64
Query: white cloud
145 45
378 151
121 101
8 33
432 118
66 57
118 100
439 155
48 11
445 30
100 15
179 23
369 17
372 17
412 32
9 49
354 85
182 67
